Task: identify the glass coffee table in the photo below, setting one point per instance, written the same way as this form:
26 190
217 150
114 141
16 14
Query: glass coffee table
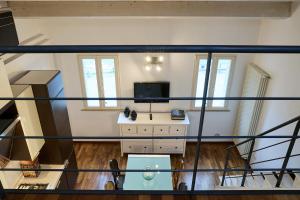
148 180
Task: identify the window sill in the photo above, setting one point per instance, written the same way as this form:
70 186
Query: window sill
209 110
190 110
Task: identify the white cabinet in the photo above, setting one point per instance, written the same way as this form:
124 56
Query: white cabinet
29 118
160 125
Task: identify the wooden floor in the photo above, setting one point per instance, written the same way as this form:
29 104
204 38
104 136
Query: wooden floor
96 155
152 197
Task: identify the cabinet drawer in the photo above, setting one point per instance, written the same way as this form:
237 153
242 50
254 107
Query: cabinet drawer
161 130
177 130
137 146
128 129
160 148
145 130
176 147
168 146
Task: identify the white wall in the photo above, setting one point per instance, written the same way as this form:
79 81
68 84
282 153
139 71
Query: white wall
178 68
27 28
285 81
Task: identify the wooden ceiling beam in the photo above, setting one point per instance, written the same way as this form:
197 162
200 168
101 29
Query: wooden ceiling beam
151 8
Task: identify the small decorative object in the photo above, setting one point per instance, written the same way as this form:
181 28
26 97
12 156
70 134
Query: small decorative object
177 114
27 164
127 112
133 115
148 175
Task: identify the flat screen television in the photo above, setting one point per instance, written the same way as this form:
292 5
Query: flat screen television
152 90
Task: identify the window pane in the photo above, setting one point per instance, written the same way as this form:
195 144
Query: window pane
200 81
90 81
109 80
222 77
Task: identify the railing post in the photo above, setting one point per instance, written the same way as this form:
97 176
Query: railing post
226 166
201 122
2 193
247 163
288 154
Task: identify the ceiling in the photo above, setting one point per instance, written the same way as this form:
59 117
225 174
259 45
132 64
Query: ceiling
147 8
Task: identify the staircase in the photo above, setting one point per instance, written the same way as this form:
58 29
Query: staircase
248 178
261 181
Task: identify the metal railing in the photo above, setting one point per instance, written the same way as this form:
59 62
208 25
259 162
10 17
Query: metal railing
210 50
249 154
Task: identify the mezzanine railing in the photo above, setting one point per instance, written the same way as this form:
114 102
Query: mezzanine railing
210 50
249 154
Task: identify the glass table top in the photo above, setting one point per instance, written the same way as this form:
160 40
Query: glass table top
136 180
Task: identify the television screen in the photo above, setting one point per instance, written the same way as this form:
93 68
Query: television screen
152 90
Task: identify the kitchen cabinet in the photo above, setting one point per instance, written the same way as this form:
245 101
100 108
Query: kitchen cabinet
54 118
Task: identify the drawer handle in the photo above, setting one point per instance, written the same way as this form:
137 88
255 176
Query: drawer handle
160 147
161 130
177 130
176 147
129 147
145 147
129 129
145 129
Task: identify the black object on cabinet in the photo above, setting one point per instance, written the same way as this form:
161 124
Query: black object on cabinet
8 33
54 119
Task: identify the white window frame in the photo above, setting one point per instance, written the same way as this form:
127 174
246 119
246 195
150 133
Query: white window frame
212 80
97 58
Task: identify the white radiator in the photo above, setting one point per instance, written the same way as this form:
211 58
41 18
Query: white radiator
255 85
